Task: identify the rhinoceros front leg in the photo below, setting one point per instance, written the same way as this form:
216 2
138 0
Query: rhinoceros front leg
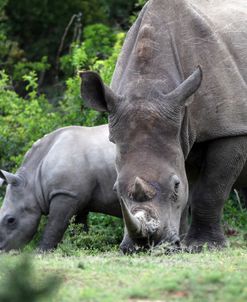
127 245
224 160
62 209
184 222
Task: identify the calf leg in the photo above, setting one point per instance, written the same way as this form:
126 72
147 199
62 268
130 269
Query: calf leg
223 163
62 209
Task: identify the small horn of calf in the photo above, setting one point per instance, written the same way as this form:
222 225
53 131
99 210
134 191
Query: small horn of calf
142 191
132 224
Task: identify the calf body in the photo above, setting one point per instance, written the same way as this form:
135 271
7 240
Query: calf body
68 172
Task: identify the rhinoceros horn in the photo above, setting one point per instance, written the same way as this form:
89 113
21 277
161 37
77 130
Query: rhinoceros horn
142 190
133 225
9 178
186 88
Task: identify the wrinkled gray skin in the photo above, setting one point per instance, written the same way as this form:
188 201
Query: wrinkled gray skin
166 116
68 172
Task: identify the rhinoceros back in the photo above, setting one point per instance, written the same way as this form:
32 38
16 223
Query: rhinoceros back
171 38
72 160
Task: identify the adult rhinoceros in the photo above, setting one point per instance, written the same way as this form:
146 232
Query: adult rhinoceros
162 114
69 172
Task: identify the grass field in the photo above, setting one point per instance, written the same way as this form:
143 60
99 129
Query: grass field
108 277
94 275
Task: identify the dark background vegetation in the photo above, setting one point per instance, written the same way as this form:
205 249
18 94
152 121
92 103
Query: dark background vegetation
43 45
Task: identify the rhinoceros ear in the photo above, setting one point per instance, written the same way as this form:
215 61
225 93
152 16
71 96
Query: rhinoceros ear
95 94
181 94
9 178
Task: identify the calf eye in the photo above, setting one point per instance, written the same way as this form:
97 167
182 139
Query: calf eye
10 220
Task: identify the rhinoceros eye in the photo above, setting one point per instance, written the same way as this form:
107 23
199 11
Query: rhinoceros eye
176 183
11 220
176 186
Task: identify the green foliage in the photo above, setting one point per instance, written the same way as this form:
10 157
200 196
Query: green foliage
105 233
98 41
22 121
118 11
82 57
138 6
98 44
106 67
234 215
9 50
77 59
19 284
2 4
23 67
141 3
48 20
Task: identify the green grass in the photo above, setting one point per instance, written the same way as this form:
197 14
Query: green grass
106 277
91 268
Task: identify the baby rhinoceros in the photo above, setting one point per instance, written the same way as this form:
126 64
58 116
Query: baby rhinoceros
68 172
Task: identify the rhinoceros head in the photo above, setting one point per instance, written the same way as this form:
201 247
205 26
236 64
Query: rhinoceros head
145 124
19 215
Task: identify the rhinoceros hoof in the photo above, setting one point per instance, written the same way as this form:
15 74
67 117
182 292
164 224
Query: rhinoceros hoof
198 245
128 246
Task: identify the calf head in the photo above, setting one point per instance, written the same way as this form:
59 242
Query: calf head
19 214
145 124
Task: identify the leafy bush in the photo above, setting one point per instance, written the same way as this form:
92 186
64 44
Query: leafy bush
22 121
98 41
235 216
105 233
106 67
48 20
72 107
97 44
23 67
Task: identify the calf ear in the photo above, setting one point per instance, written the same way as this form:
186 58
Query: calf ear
9 178
95 94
